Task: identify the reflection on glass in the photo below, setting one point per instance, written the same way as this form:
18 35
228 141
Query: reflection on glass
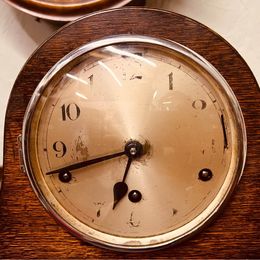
129 54
111 72
81 95
77 78
155 94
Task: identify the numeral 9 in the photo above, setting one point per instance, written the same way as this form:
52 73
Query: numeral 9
60 148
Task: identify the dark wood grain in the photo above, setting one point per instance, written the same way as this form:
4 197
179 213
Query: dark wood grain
27 231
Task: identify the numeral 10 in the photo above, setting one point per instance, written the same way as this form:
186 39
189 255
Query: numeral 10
70 112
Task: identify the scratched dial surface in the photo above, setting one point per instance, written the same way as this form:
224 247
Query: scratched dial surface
163 98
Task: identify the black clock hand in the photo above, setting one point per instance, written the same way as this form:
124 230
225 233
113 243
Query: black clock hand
120 188
86 163
133 149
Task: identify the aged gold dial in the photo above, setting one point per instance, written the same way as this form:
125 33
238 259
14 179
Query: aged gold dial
133 142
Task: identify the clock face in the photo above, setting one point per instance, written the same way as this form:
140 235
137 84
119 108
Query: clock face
133 142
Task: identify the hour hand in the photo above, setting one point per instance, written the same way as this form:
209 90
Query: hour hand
120 188
133 149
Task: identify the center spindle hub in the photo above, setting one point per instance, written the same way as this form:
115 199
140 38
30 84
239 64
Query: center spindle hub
133 149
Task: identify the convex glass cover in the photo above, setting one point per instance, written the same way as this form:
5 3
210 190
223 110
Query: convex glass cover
133 142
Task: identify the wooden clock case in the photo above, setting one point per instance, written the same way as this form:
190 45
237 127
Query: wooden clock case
28 231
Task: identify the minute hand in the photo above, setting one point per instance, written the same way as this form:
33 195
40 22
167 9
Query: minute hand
86 163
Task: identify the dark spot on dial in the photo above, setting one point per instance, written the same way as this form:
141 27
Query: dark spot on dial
174 211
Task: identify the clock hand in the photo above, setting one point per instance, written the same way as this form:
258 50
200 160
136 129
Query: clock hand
86 163
133 149
120 188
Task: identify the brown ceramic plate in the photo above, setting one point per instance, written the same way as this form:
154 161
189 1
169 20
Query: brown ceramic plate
64 10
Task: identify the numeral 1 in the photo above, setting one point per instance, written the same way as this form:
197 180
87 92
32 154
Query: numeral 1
170 81
90 78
